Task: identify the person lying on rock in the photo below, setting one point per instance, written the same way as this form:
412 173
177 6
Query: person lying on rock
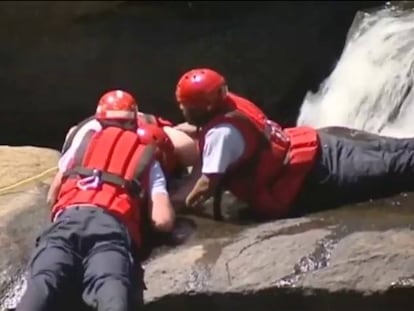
176 149
279 171
109 185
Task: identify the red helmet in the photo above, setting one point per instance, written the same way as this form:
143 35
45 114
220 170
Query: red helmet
200 88
153 134
117 104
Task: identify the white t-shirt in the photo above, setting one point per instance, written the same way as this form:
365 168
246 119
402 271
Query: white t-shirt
223 145
157 182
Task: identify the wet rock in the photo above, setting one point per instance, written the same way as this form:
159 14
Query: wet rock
367 262
328 260
23 211
357 257
254 259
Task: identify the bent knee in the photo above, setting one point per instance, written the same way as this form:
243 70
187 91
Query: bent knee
185 147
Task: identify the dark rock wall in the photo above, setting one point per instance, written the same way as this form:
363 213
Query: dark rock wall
56 58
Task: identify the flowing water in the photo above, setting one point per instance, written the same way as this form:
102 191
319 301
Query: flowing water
371 87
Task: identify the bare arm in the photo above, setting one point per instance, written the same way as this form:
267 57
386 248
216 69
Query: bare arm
184 187
161 209
54 189
162 212
187 128
223 146
57 180
185 147
204 188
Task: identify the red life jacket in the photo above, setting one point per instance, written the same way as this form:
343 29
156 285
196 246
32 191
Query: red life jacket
122 164
165 150
275 162
142 119
165 155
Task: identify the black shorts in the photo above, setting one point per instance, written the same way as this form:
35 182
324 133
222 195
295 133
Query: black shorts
355 165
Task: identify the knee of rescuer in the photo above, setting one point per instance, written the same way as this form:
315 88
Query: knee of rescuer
185 147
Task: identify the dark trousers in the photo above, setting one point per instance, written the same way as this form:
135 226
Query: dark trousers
86 254
355 166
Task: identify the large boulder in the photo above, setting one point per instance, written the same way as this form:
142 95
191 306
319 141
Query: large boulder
25 173
360 258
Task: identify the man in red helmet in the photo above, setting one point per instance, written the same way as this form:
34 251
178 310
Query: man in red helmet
273 169
109 185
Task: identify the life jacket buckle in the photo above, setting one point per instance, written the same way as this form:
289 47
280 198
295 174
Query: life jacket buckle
90 182
275 133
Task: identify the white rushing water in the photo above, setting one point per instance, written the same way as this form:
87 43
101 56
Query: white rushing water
371 87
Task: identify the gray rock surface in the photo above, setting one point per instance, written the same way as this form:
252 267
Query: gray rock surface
360 256
357 257
24 181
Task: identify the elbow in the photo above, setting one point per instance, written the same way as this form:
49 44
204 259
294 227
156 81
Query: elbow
162 213
164 222
164 225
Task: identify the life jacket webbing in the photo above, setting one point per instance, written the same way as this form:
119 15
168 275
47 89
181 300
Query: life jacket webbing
72 134
133 186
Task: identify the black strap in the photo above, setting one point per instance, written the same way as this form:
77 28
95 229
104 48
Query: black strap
133 186
145 160
71 136
217 199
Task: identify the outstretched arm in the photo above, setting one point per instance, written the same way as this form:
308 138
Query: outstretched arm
223 146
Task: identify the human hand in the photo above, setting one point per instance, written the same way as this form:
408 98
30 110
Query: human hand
194 201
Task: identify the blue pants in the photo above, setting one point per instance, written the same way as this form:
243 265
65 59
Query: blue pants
86 253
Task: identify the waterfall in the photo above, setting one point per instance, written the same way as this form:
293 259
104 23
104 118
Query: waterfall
371 87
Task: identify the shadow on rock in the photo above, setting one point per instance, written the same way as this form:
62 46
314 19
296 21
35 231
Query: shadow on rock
288 299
